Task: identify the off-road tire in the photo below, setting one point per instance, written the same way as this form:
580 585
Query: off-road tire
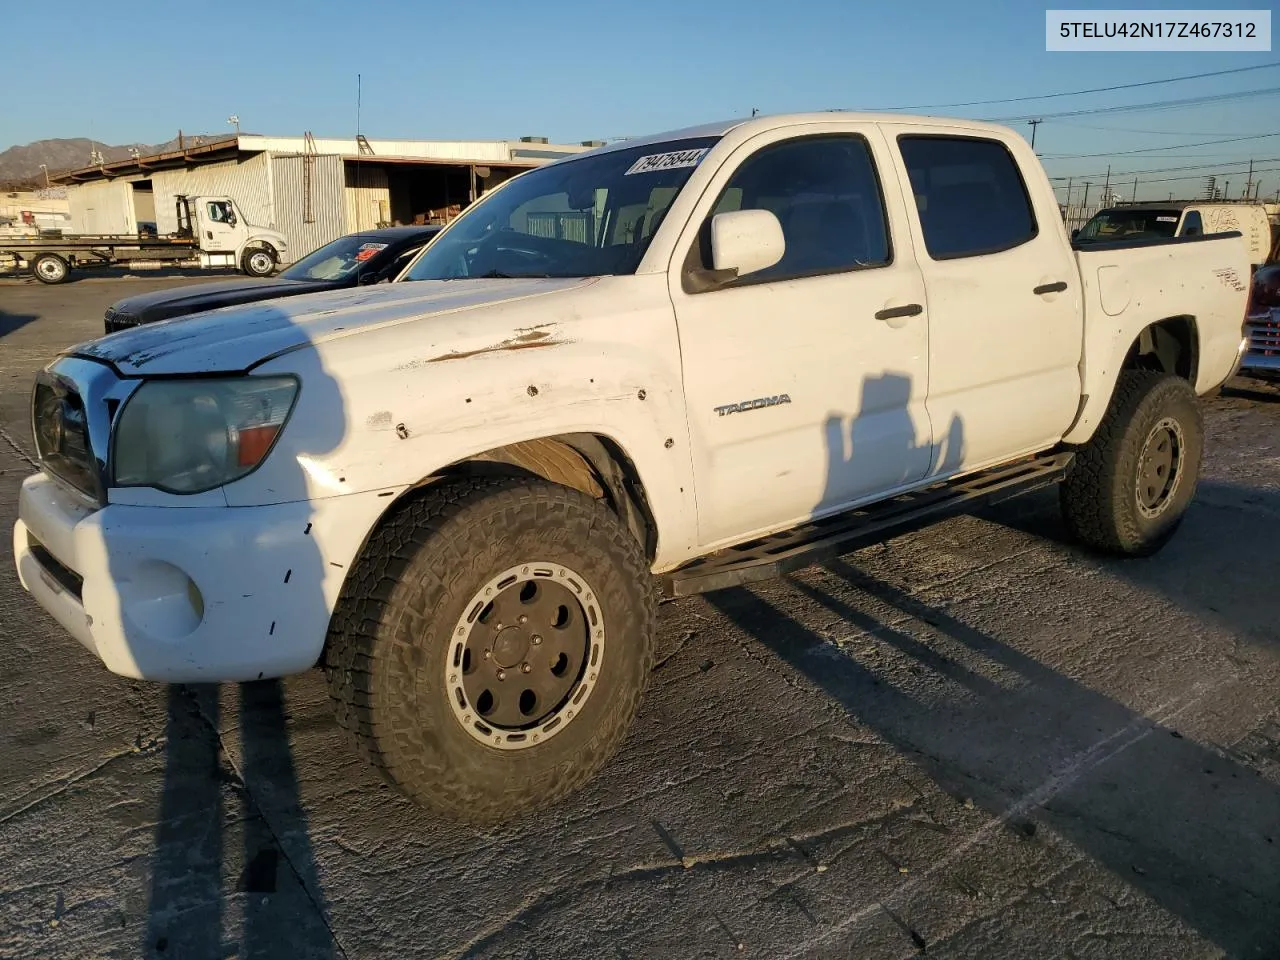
50 268
389 641
258 262
1099 498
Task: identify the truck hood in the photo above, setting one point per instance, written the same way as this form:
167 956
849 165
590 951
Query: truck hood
236 338
163 304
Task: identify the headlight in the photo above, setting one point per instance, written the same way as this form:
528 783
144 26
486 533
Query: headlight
188 436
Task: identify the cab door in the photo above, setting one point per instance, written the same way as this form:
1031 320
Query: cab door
1006 320
805 382
218 225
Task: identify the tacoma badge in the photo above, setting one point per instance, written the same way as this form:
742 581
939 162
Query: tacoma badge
755 404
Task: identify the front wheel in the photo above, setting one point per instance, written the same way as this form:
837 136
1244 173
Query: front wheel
50 268
258 262
1130 485
491 648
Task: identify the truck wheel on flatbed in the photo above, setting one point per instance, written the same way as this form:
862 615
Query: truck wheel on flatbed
491 647
258 262
1131 484
50 268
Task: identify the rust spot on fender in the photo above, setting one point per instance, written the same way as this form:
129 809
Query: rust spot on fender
533 340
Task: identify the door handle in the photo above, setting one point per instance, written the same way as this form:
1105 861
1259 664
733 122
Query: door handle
891 313
1050 288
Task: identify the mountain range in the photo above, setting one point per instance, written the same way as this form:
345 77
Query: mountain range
20 165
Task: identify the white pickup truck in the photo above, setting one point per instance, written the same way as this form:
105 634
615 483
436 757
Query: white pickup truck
692 360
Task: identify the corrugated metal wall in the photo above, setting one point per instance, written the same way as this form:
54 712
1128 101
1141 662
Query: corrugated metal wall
105 207
246 182
367 197
327 207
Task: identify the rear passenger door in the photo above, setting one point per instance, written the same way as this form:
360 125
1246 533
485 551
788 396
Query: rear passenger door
1005 315
805 382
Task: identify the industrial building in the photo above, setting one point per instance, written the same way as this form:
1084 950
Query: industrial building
310 189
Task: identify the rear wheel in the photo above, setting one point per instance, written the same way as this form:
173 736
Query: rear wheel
493 644
50 268
258 262
1131 484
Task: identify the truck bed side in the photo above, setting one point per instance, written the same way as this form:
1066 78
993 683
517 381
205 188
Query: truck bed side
1201 282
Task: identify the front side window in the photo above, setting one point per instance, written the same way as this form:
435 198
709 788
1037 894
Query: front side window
826 195
586 217
219 211
969 194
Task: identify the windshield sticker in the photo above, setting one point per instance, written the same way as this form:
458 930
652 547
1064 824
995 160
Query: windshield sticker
667 161
368 251
1166 219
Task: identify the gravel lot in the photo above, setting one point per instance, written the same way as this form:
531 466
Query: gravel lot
974 741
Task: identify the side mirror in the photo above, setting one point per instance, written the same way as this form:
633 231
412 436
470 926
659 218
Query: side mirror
746 241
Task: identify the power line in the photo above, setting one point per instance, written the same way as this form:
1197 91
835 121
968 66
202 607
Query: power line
1216 165
1139 107
1159 133
1174 146
1078 93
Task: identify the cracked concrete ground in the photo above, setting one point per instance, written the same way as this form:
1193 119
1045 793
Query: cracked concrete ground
973 741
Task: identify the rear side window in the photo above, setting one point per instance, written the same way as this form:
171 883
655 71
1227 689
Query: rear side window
1191 226
969 194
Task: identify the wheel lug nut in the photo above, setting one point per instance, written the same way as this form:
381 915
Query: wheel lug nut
488 654
525 668
536 639
502 674
523 618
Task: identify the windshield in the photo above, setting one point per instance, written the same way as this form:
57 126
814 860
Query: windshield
586 217
336 260
1130 225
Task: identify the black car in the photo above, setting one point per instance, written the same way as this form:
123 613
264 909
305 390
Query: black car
371 256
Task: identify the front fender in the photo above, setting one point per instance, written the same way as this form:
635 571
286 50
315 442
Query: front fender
384 409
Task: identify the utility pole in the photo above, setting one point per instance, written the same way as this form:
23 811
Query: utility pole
1070 180
1085 202
45 168
1034 124
1135 190
1106 190
1248 184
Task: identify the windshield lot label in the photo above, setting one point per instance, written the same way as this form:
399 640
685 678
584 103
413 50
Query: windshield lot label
667 161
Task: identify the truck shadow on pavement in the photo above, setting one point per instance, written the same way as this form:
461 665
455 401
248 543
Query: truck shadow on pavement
1190 826
1193 829
10 322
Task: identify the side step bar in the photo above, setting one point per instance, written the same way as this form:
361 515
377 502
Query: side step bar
780 553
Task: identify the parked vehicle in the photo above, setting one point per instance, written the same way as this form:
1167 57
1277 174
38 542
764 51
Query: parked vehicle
1263 356
357 259
1137 221
212 233
710 356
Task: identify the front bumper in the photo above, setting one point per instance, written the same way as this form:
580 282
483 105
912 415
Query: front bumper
189 594
1264 342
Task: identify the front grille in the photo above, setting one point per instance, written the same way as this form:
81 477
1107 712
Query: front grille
115 320
61 432
1264 333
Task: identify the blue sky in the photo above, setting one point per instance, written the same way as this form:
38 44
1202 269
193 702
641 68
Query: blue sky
573 69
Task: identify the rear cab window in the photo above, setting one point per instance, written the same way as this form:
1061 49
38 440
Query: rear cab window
969 194
1130 224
